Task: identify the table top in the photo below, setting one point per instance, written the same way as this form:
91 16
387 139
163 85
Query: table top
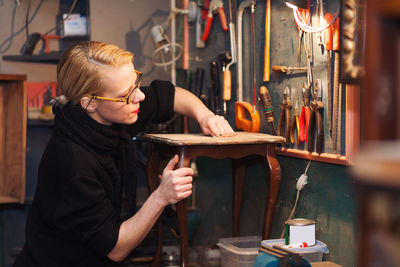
192 139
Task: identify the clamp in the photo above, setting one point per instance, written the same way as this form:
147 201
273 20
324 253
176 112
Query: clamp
214 7
316 119
285 115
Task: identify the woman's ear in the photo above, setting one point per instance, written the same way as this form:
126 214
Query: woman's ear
88 104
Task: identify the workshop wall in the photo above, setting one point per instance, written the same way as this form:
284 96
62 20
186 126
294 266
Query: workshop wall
13 37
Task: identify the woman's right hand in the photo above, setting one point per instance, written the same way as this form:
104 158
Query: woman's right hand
175 184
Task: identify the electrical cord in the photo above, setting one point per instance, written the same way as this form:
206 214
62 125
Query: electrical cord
301 182
27 20
62 19
303 24
9 40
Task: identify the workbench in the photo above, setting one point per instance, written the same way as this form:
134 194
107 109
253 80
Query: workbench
189 146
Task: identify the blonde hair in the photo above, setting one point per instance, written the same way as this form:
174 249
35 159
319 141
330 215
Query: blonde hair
79 70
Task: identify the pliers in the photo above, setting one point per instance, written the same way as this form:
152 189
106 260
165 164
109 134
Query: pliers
214 7
295 124
285 115
305 114
316 119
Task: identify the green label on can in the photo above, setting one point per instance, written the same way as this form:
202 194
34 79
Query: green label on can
286 234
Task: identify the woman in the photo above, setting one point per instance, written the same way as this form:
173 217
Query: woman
87 177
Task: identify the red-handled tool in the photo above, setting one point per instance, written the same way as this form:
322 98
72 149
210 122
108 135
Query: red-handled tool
305 114
215 6
332 46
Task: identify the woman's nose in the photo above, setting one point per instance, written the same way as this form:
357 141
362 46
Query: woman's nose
139 96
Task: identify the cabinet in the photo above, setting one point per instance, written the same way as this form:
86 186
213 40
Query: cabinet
13 110
376 172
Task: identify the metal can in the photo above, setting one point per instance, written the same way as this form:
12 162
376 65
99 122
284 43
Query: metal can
300 230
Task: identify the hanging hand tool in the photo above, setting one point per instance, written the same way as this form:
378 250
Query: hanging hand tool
267 42
199 42
224 59
316 119
305 14
305 114
319 15
227 78
309 57
215 6
336 87
243 108
268 109
285 115
285 69
215 87
332 46
239 85
329 63
253 54
185 37
198 81
295 124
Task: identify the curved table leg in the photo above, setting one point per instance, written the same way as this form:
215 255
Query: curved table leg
152 182
182 214
238 175
275 180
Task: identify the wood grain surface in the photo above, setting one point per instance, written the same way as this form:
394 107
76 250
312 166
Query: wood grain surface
201 139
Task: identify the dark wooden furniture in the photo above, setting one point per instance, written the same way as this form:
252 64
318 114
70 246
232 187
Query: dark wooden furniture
377 179
13 110
189 146
376 171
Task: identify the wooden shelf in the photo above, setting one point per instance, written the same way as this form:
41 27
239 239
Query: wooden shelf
52 58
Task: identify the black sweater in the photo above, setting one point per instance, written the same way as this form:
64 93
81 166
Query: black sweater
83 175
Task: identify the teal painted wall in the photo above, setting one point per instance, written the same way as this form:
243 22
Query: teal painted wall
328 198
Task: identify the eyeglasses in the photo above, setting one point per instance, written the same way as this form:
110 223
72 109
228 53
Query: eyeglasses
126 99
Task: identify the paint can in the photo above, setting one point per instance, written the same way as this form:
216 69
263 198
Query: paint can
300 230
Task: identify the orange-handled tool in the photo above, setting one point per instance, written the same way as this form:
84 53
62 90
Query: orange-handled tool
227 85
295 124
243 109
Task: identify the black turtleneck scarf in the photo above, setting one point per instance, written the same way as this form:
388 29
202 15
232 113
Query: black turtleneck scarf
87 184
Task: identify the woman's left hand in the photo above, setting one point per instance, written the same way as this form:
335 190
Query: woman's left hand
216 126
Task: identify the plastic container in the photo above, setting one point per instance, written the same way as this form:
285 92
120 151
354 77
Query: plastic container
239 251
311 254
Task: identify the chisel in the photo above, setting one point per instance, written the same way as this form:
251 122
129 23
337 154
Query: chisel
267 107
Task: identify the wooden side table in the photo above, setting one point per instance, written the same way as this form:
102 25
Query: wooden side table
189 146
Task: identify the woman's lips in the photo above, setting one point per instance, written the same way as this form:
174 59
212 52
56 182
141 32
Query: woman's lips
136 111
